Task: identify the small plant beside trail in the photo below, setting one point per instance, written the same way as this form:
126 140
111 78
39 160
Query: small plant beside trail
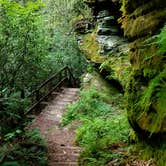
102 127
23 149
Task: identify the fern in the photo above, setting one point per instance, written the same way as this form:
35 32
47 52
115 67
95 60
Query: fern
90 104
161 40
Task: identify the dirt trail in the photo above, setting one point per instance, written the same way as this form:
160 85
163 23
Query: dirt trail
61 148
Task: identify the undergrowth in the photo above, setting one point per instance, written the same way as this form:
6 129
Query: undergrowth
161 40
20 149
155 153
102 127
91 104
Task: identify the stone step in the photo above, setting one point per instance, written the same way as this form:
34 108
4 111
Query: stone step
66 97
61 148
67 149
71 93
60 103
68 90
64 157
63 164
56 93
44 103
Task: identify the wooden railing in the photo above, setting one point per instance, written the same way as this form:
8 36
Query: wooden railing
63 76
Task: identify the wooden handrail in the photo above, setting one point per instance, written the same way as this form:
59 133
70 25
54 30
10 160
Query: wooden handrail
48 80
65 75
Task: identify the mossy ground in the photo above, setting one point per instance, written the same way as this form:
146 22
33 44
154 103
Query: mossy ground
96 81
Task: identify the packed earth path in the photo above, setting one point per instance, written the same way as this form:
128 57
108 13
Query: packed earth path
62 150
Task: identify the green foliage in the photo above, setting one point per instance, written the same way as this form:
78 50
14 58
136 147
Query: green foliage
23 52
101 127
161 40
11 135
32 50
155 153
63 46
31 151
97 135
90 103
35 42
22 45
80 8
65 52
155 93
11 113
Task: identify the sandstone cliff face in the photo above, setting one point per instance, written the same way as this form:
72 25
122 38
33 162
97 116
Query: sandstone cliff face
135 59
142 22
106 46
146 91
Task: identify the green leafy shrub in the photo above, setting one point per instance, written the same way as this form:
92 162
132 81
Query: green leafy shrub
97 135
65 52
63 47
161 40
12 113
101 127
91 104
30 151
23 45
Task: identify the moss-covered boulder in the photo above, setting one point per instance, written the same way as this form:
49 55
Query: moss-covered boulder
146 91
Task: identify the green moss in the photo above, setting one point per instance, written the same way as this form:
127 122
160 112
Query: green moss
146 106
146 87
118 67
148 7
153 105
144 25
91 48
142 18
146 58
97 82
140 7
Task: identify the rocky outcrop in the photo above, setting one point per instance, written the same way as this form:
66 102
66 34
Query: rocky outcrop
146 91
105 46
83 26
98 5
141 21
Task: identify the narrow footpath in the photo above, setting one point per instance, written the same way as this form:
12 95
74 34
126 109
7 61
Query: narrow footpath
61 148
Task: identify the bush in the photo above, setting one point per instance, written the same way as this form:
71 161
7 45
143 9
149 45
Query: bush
30 151
22 44
161 40
89 105
101 127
